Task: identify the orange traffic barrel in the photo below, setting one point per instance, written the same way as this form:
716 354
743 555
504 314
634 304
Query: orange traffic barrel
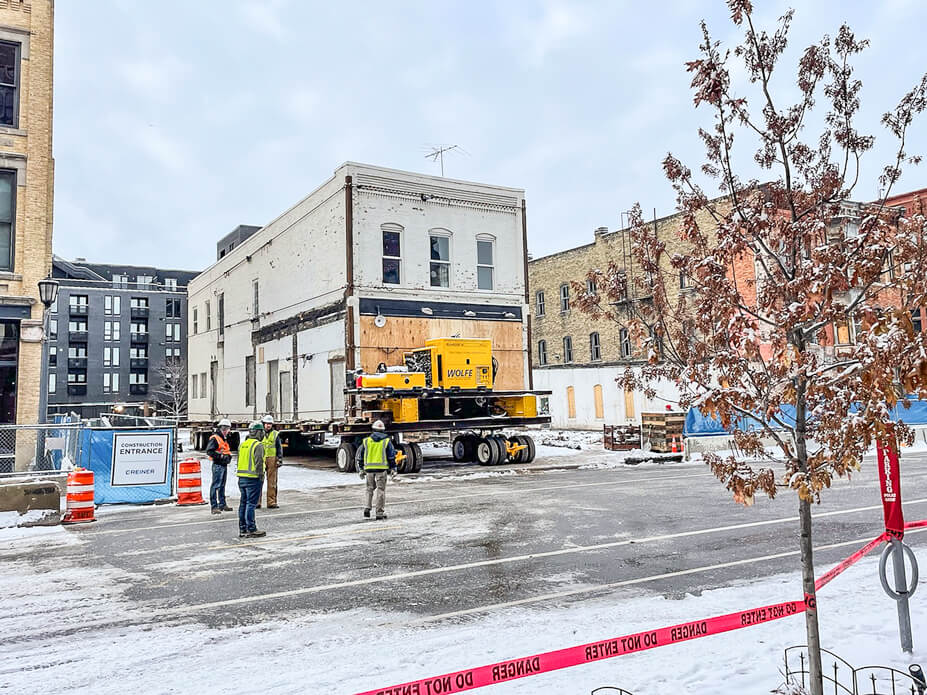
79 497
189 484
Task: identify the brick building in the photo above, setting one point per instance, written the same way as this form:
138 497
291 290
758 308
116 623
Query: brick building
26 199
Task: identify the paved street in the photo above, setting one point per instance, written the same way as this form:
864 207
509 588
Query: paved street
465 543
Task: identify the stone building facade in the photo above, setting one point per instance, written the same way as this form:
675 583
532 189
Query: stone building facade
26 203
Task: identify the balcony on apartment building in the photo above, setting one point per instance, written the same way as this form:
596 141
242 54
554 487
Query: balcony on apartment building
139 312
139 338
77 389
78 309
138 363
138 389
77 336
77 362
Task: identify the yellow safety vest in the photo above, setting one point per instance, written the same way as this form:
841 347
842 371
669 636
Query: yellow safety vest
247 465
375 454
270 443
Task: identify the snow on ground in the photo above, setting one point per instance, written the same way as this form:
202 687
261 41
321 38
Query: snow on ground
307 652
30 518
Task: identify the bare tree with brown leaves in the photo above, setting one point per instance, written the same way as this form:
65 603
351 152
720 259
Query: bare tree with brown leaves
747 320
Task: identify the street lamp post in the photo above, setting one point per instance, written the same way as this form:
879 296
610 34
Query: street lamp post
48 293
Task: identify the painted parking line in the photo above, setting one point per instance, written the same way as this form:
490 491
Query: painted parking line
324 533
631 582
89 531
400 576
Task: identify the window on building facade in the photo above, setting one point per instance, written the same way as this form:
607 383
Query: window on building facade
10 54
138 327
484 264
52 356
249 381
170 284
220 314
53 309
567 350
138 377
208 316
595 349
542 352
120 281
77 326
144 282
52 382
591 287
111 357
193 380
172 354
112 305
77 377
685 282
845 331
440 267
564 298
7 218
203 385
78 300
172 308
392 254
624 341
196 321
76 352
52 329
139 302
255 300
916 320
539 303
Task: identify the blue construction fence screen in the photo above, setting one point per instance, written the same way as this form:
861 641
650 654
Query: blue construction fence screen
128 465
699 425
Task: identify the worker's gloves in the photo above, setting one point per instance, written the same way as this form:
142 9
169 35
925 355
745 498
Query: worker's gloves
363 474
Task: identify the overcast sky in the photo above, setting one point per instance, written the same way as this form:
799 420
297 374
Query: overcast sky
177 120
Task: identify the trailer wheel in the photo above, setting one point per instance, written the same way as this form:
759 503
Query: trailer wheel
344 457
501 454
464 447
408 462
417 458
486 452
531 451
518 456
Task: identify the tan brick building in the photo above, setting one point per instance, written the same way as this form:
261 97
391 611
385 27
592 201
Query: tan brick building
578 357
26 199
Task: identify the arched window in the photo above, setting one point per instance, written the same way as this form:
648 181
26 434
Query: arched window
439 254
542 352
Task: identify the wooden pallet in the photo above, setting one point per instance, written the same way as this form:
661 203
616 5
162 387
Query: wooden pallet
659 430
621 437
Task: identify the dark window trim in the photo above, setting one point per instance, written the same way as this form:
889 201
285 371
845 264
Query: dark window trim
17 81
13 202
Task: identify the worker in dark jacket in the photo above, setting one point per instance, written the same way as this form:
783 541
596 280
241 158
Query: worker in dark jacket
376 458
221 454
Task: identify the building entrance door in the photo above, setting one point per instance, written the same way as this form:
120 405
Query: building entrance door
286 396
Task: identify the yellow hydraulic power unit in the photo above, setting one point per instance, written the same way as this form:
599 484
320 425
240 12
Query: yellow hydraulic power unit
465 363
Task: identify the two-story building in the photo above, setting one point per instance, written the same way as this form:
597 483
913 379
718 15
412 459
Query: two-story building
368 266
117 339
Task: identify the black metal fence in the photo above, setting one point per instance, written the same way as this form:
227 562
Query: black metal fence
841 678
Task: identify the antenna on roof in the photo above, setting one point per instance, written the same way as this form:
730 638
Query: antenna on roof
436 153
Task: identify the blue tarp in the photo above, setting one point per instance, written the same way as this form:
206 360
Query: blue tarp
698 425
96 453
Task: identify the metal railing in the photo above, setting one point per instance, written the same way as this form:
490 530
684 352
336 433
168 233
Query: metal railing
841 678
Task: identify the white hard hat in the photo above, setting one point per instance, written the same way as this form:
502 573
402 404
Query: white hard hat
268 419
224 422
379 426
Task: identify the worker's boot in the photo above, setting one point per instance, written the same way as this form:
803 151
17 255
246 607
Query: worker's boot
257 534
381 517
367 513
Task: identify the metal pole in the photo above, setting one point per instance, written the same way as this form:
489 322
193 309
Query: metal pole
43 396
901 586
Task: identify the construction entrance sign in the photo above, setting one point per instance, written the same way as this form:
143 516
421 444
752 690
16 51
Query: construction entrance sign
140 459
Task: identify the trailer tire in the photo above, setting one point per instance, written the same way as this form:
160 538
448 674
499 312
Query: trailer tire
531 451
520 455
417 458
408 462
464 448
486 452
501 454
344 457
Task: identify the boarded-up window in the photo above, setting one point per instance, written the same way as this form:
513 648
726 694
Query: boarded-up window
845 332
599 404
629 404
571 403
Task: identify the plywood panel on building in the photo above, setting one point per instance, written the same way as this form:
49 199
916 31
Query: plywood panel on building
402 334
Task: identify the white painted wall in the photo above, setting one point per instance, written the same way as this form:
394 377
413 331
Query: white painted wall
583 380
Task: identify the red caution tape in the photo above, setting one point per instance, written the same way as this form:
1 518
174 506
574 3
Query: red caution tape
514 669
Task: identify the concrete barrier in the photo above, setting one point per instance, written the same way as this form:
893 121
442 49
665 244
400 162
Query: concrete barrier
27 495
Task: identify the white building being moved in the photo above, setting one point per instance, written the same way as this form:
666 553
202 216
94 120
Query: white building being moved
368 266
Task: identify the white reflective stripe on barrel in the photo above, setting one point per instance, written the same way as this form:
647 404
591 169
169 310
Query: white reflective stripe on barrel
79 505
189 476
74 489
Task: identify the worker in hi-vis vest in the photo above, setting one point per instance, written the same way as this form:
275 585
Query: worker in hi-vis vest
273 459
376 458
250 480
221 454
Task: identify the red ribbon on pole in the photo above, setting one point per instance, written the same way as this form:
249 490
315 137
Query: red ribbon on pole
890 481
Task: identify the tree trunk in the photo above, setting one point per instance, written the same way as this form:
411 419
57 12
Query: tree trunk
811 605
